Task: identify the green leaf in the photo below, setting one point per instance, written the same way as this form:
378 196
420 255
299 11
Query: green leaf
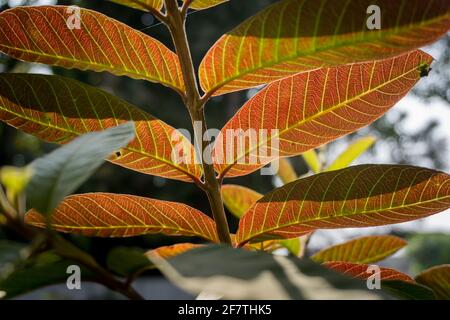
356 149
407 290
127 261
10 253
47 269
438 279
61 172
241 274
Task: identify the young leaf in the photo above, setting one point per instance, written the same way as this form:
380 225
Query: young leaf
309 109
168 252
285 171
47 269
438 279
356 149
205 4
312 160
238 199
58 109
118 215
141 4
362 271
361 250
294 36
359 196
62 171
86 40
238 274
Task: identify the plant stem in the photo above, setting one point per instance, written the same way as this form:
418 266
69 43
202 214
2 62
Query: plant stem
192 99
70 251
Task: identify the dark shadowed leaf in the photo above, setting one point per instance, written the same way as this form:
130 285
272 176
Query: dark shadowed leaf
62 171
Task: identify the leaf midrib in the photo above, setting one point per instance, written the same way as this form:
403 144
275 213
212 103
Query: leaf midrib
124 71
295 56
317 115
189 174
112 227
343 215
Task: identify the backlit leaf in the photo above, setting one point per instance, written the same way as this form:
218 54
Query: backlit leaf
363 271
361 250
294 36
58 109
168 252
351 153
205 4
312 160
62 171
302 112
141 4
438 279
239 199
50 35
359 196
286 171
116 215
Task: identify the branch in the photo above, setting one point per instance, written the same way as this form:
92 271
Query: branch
195 104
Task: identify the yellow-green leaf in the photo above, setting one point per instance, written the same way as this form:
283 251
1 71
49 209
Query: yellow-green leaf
120 215
438 279
312 160
294 36
356 149
141 4
58 109
86 40
239 199
361 250
205 4
359 196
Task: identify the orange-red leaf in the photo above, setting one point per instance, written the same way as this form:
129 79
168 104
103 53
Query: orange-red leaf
239 199
361 250
168 252
294 36
118 215
58 109
359 196
363 272
42 34
302 112
438 279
